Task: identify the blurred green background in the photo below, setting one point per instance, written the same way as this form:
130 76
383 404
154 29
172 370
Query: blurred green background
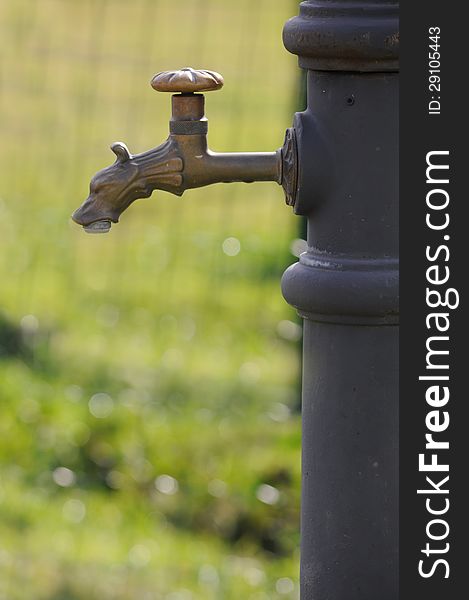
149 433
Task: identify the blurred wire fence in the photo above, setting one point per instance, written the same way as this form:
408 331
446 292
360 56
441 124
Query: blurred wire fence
149 447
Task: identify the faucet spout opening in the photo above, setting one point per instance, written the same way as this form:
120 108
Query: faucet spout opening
101 226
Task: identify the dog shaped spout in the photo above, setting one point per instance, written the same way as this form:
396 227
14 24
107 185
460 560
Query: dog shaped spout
131 177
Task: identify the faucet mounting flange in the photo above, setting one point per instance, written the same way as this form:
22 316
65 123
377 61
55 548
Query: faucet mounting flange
290 166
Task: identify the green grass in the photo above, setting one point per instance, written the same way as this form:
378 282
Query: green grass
189 345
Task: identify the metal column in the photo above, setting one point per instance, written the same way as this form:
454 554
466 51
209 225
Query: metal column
346 288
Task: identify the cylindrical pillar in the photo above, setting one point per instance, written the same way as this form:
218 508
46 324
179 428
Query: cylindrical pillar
346 288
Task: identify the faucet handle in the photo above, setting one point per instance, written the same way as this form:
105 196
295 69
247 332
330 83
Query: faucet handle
187 81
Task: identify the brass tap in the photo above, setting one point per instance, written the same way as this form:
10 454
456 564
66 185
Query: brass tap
183 161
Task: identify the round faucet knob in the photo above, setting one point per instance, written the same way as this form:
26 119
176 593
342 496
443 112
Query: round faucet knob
187 81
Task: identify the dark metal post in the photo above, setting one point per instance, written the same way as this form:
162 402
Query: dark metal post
346 288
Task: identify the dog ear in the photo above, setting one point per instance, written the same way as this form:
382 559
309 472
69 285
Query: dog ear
121 151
